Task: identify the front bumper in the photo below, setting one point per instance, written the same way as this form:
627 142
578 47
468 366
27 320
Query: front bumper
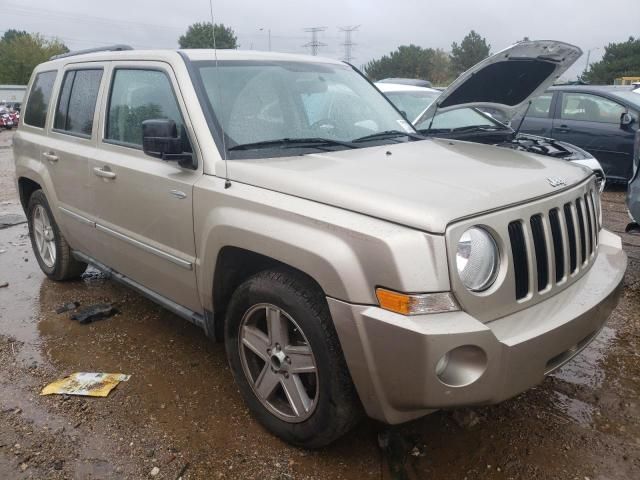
392 358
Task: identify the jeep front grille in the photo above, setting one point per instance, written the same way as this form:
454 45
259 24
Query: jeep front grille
546 238
545 246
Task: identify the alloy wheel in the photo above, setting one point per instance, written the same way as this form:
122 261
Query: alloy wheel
44 236
278 362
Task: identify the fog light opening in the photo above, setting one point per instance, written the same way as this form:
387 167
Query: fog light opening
461 366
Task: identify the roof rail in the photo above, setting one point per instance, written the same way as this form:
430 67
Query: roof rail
110 48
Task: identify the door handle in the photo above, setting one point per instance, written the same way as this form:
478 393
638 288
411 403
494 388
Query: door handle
50 156
104 172
563 129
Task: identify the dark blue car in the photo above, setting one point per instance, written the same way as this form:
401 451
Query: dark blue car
602 120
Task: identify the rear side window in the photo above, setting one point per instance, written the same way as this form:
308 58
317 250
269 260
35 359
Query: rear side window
136 96
38 102
77 101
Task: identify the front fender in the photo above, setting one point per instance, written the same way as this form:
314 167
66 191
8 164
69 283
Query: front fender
348 254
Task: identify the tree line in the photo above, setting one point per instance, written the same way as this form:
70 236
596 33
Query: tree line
21 51
413 61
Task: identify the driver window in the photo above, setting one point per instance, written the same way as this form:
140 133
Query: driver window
138 95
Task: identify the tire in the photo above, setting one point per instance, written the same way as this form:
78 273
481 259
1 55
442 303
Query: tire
291 299
53 252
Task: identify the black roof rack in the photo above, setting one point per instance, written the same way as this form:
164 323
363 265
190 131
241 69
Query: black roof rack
110 48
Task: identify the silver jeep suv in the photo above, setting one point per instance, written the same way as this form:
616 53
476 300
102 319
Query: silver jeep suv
284 205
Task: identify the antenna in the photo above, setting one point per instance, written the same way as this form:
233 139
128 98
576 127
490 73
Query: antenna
314 43
348 44
227 182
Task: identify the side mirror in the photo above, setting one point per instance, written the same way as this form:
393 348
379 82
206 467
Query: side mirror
160 139
626 120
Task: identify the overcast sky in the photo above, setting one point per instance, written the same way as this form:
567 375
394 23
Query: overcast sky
385 24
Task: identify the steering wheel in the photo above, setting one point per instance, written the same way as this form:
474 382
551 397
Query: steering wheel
324 123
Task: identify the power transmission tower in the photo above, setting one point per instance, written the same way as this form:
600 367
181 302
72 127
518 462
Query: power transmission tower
314 43
348 44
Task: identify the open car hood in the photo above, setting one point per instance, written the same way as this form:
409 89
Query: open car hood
508 79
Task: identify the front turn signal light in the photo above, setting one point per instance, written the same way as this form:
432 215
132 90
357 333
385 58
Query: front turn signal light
416 304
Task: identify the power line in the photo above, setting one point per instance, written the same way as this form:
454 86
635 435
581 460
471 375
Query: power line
88 41
65 14
348 43
314 44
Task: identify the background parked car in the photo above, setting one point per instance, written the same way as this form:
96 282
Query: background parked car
633 192
411 100
416 82
6 119
475 125
602 120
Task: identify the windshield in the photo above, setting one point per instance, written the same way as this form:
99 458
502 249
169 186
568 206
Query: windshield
460 118
632 97
259 103
413 103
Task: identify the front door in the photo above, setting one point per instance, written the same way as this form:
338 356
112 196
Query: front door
592 122
144 204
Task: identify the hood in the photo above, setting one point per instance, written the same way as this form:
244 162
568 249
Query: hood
508 79
423 184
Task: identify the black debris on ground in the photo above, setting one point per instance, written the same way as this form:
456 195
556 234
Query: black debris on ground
99 311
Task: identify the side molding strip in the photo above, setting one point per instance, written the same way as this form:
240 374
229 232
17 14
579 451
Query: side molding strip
77 217
161 300
147 248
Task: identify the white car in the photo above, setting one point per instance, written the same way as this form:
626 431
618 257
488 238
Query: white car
481 125
409 99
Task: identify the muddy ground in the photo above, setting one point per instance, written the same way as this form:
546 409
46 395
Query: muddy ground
180 411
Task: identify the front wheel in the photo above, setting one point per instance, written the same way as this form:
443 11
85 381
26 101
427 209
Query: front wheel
287 361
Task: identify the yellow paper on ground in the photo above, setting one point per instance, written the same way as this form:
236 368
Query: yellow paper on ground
85 383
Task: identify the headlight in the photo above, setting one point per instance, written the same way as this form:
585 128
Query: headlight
477 259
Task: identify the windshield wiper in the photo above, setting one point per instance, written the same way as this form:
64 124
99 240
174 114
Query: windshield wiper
468 128
477 128
311 142
388 134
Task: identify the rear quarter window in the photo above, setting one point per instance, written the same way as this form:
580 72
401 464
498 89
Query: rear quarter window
540 106
39 97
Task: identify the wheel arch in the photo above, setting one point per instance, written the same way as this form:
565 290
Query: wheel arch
26 187
235 265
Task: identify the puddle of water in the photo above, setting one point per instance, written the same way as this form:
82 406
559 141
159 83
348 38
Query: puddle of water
580 412
586 368
19 302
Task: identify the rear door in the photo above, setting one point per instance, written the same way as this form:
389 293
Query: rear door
592 122
69 146
539 118
143 204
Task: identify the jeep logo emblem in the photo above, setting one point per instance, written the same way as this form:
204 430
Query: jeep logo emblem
556 182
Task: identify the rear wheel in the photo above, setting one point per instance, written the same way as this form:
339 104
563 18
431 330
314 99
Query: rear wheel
287 361
49 245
